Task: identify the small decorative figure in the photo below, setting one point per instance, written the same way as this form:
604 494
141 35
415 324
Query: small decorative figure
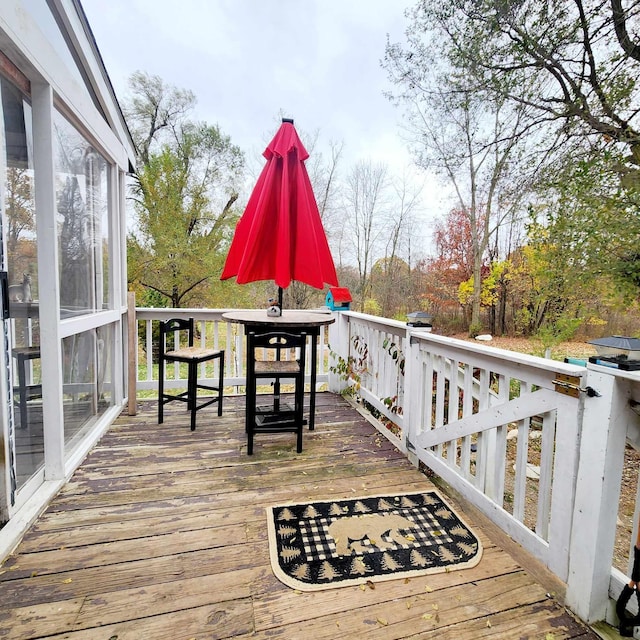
273 310
21 292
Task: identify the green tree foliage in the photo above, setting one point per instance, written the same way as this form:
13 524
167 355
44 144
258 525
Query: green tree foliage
21 223
591 228
391 287
184 196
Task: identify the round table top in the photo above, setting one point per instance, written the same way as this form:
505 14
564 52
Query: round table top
289 317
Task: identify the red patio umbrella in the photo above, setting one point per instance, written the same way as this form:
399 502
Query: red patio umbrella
280 235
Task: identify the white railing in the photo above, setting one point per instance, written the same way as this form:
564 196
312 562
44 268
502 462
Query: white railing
537 445
212 331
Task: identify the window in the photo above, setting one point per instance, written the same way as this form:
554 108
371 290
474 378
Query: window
87 380
82 190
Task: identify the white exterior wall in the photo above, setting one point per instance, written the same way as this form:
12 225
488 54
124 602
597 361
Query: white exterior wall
54 87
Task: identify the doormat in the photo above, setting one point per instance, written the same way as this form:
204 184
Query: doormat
320 545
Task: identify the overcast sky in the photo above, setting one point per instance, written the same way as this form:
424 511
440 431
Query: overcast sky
317 61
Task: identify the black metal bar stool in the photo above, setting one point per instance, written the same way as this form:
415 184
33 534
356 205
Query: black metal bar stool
27 391
193 357
276 416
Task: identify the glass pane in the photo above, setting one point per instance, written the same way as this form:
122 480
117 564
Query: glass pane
82 189
87 386
19 231
105 374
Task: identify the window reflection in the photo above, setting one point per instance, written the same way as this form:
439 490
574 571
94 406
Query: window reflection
87 385
82 215
20 234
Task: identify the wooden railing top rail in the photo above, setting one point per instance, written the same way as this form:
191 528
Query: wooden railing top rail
477 350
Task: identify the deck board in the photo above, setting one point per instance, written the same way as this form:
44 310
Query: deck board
161 533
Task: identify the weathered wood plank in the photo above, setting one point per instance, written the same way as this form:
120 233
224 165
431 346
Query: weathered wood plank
135 574
116 606
111 553
164 486
340 488
417 613
277 602
230 619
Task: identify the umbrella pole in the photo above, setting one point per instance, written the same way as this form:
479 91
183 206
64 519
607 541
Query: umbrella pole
280 298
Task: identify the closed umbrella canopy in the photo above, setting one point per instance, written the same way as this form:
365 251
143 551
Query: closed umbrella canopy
280 236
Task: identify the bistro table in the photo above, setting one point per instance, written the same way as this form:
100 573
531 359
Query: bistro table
293 321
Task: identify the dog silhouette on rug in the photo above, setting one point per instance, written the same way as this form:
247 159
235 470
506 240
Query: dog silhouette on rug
351 532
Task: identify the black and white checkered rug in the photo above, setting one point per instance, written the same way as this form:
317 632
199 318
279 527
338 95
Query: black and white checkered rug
319 545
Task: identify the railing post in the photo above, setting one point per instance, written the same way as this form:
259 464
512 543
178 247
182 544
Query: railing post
339 345
132 360
597 496
411 412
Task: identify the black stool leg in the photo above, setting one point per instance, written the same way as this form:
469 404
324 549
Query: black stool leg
251 399
299 407
22 383
220 383
160 391
192 392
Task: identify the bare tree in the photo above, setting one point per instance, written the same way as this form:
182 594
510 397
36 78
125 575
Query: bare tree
366 218
396 266
478 141
323 174
154 111
472 142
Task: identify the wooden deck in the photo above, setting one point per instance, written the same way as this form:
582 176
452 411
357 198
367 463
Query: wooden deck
161 534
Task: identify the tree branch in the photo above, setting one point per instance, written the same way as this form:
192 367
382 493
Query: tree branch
620 25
